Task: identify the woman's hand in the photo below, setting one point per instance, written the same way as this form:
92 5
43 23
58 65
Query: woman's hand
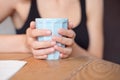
67 39
40 49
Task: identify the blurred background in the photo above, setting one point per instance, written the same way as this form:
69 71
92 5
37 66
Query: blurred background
7 27
111 30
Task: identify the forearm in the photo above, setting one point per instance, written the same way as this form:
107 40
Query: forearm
94 11
78 51
97 49
13 43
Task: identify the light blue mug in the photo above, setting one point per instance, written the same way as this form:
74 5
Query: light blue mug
53 24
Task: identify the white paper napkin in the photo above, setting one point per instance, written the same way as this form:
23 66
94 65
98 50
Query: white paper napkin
9 67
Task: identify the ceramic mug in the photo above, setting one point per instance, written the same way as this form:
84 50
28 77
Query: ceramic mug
52 24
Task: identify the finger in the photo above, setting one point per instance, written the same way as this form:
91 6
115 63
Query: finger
32 24
63 56
70 25
42 44
37 32
42 52
28 31
32 32
67 33
29 39
41 57
66 51
63 40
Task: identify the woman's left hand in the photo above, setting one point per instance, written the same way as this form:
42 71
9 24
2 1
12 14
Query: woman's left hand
67 39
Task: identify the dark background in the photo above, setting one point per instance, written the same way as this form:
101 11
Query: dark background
112 30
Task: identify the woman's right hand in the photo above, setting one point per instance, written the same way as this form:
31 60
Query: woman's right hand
40 49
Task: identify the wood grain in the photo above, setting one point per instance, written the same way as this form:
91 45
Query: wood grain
74 68
98 70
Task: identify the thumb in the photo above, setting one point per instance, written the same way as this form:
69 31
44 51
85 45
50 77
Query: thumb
32 24
70 25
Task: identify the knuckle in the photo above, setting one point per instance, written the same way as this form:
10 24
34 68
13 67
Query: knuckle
33 33
61 39
72 33
68 42
64 51
68 32
33 44
71 42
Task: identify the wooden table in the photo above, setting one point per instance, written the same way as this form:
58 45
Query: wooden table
73 68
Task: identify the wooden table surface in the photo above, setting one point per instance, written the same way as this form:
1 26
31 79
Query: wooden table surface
73 68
